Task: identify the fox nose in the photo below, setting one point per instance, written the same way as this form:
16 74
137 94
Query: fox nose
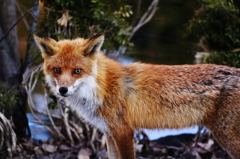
63 90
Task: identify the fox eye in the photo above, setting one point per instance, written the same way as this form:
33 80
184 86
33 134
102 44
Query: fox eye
56 70
77 71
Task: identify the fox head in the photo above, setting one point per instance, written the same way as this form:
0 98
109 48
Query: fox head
69 64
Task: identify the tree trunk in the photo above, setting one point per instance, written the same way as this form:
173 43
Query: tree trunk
11 67
32 47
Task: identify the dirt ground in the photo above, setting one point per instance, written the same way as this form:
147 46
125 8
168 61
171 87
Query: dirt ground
185 146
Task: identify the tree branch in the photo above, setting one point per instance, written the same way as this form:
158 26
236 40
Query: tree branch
146 17
6 33
21 13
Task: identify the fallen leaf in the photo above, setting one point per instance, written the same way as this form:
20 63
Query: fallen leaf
64 147
84 153
207 146
82 156
49 148
38 150
28 144
138 147
44 140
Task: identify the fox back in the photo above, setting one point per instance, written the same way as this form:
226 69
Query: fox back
118 99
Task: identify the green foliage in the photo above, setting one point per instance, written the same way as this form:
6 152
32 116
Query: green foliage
217 23
225 58
8 98
53 103
88 17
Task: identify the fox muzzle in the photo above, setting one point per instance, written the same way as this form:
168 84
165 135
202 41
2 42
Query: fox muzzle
63 91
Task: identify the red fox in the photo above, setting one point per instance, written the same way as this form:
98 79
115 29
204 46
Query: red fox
119 98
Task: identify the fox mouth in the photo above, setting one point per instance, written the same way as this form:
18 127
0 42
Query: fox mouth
64 95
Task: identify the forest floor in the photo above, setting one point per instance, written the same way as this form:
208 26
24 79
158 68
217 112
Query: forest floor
185 146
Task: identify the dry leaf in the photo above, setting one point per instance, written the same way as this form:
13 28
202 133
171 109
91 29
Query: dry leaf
64 147
84 153
38 150
49 148
63 21
82 156
138 147
28 144
207 146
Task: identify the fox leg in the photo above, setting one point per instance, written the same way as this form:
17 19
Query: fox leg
123 141
226 125
229 141
111 148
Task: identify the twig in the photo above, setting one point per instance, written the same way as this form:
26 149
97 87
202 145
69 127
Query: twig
21 12
76 127
73 130
50 116
6 33
94 136
88 130
200 128
29 88
146 17
31 70
8 136
60 108
103 141
65 119
236 50
30 102
136 14
44 113
65 114
2 135
30 82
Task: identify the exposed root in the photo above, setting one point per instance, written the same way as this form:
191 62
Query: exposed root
8 138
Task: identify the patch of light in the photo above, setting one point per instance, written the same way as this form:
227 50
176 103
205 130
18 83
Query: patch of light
155 134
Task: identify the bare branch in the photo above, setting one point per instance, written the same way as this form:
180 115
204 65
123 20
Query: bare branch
146 17
50 116
65 119
236 50
30 83
6 33
8 137
136 14
21 12
31 105
93 138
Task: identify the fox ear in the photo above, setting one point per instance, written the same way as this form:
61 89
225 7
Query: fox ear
46 45
93 44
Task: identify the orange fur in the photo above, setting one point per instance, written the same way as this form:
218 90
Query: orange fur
123 98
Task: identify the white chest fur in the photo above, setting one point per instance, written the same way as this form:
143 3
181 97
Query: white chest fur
85 102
